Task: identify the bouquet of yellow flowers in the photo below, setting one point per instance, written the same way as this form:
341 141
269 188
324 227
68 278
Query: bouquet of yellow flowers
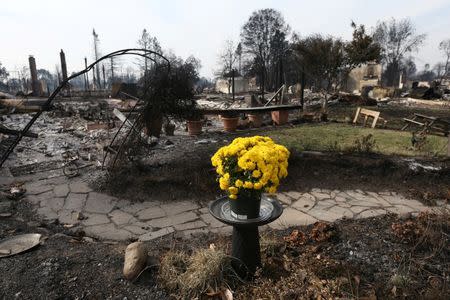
251 165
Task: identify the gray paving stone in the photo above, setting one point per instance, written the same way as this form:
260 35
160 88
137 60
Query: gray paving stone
371 213
61 190
137 230
305 202
108 232
294 194
134 208
325 215
95 219
149 236
365 202
173 220
151 213
324 204
400 209
178 207
79 187
120 217
396 199
344 204
75 201
284 198
37 188
56 204
99 203
190 225
47 213
36 199
204 210
345 212
67 217
320 196
292 217
211 221
358 209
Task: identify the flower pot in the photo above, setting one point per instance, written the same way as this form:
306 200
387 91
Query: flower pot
246 206
280 117
194 127
230 124
255 120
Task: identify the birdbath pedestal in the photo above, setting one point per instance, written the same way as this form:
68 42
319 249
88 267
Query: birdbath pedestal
245 238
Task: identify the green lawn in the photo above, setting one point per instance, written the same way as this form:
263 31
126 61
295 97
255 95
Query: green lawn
342 137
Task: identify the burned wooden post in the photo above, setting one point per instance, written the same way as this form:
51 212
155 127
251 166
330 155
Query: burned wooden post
232 83
86 76
34 80
63 64
302 90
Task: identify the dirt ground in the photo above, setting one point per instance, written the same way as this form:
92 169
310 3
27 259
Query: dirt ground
377 258
191 176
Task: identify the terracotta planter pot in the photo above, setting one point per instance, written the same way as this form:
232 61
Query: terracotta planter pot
194 127
256 120
280 117
230 124
245 207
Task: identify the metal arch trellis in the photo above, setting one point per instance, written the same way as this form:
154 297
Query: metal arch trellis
130 51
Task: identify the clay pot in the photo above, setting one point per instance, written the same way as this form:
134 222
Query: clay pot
256 120
194 127
280 117
230 124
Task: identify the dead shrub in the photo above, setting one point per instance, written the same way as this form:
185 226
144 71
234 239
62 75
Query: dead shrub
173 264
364 144
191 276
322 232
429 231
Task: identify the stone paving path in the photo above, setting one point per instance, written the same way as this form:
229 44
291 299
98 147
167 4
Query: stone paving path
106 217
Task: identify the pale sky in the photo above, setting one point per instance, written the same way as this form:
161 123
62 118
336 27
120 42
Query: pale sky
198 27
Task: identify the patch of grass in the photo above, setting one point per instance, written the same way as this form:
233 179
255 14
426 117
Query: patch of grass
342 138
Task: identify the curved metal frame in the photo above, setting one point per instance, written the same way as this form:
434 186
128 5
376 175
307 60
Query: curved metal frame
131 51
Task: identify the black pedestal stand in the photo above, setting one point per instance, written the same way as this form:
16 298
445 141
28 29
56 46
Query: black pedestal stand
245 239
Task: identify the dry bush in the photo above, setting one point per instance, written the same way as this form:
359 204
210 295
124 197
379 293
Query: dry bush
173 264
429 231
192 276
